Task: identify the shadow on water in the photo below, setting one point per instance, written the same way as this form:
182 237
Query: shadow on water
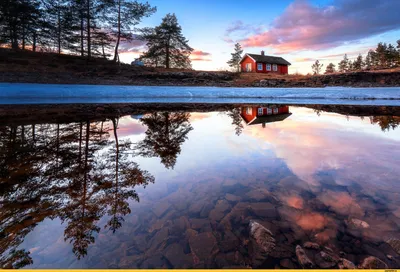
80 171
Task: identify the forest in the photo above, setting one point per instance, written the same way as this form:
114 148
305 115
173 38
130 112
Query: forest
384 56
91 28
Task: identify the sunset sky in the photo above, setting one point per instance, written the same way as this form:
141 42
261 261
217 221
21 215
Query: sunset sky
300 31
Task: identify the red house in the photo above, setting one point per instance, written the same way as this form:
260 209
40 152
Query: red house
264 64
253 115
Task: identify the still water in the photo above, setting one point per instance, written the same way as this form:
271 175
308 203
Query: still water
244 186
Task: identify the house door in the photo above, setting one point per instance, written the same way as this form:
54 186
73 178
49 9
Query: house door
248 67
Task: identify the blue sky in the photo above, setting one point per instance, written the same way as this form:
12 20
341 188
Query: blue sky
301 31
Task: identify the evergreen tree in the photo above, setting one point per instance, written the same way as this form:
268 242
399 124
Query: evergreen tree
330 68
358 63
166 44
343 65
317 67
18 20
122 16
368 61
236 57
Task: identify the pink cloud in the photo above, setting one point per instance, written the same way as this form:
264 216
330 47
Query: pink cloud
198 55
303 26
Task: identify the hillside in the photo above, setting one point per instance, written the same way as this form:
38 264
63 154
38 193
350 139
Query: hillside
35 67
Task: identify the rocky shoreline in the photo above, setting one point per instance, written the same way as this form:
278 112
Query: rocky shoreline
211 79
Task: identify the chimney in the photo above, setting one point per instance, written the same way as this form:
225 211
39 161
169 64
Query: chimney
262 53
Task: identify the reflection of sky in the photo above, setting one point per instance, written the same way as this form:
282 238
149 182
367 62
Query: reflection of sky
348 165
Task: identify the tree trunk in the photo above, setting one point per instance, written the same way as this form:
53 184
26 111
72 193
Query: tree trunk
89 53
82 38
167 55
59 30
34 42
119 32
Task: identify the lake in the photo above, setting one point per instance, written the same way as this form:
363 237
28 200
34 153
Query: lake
222 185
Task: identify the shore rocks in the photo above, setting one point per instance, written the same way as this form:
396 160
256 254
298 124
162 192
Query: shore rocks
262 243
373 263
324 260
303 259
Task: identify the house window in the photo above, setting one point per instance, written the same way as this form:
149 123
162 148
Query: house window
249 111
259 66
276 111
260 111
275 67
269 111
268 67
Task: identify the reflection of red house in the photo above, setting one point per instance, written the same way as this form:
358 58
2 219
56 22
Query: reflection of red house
262 115
264 64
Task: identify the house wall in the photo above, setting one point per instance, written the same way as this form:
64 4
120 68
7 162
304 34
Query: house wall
246 60
282 69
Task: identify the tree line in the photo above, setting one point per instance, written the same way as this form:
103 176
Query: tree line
385 56
91 28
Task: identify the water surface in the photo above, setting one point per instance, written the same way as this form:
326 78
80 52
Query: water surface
177 189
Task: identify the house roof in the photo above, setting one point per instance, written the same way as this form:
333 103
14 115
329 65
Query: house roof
267 59
269 118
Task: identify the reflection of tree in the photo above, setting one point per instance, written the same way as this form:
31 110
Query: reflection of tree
236 120
165 134
122 181
386 122
66 171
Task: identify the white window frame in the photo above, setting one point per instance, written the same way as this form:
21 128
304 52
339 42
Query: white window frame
274 67
249 111
269 111
260 111
268 66
276 110
259 66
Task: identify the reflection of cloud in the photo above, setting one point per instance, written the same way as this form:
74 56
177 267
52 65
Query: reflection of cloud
195 116
294 202
341 202
303 26
128 126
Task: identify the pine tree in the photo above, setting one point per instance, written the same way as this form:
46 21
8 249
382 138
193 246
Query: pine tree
343 65
317 67
122 16
368 61
358 63
236 57
166 44
330 68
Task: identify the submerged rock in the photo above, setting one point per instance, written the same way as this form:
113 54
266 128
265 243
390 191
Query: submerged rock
311 245
395 244
345 264
262 242
324 260
303 259
357 223
372 262
203 246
